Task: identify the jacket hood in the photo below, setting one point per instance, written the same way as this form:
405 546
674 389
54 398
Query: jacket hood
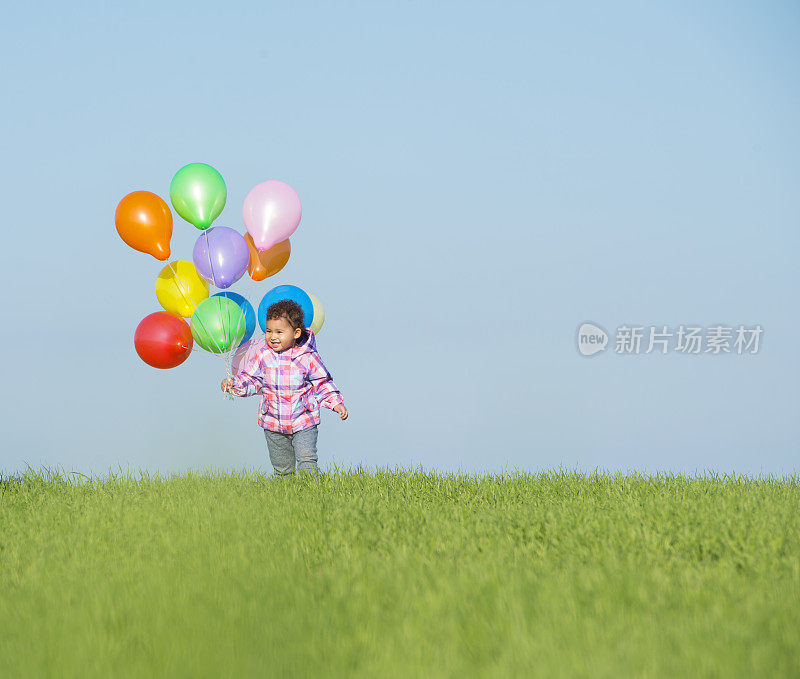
305 345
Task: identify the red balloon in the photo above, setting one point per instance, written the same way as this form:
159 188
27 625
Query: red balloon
163 340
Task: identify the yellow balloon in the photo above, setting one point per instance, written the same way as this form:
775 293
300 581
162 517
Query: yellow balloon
180 288
319 315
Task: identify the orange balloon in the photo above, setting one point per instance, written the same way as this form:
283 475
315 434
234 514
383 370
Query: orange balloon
265 263
144 222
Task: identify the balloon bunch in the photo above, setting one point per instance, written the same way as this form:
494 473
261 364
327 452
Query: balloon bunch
224 322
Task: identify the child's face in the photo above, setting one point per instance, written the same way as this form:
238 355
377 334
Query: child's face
280 335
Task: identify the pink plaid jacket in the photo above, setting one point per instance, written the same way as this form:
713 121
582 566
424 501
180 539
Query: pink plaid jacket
294 384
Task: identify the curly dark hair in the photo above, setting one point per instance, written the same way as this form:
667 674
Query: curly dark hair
289 310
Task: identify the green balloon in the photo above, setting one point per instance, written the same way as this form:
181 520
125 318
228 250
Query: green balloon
218 324
198 194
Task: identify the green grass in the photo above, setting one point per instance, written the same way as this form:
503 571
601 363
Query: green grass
399 574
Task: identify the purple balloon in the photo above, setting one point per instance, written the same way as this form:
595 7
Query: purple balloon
221 256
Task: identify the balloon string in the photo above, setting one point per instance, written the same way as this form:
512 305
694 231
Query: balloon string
219 313
227 355
186 296
227 394
214 282
191 301
228 373
230 353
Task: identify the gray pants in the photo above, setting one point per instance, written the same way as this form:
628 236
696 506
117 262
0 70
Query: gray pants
284 448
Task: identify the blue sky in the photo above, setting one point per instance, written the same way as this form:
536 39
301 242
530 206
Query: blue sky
477 179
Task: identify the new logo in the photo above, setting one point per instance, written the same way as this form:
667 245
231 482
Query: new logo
591 339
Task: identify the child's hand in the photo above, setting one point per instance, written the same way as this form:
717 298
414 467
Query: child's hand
341 410
227 384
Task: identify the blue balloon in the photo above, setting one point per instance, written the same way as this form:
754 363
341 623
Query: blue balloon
291 292
247 309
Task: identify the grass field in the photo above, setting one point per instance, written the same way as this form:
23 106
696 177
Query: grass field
398 574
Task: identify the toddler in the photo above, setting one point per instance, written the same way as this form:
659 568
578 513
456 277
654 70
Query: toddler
290 375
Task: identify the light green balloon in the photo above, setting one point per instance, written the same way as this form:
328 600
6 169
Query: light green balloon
198 194
218 324
319 315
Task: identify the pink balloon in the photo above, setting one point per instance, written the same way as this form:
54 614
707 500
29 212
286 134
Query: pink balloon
271 212
246 351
